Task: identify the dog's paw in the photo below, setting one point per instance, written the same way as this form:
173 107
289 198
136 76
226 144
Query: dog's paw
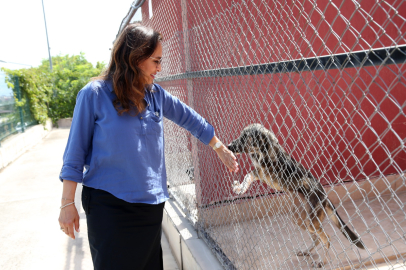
317 264
303 253
237 188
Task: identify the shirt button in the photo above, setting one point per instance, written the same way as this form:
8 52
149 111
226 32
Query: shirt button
141 117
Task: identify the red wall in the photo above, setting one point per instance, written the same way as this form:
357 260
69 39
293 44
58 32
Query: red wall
341 124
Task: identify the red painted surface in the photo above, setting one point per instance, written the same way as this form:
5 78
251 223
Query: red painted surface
343 125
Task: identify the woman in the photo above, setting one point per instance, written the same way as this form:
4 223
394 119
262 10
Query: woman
117 136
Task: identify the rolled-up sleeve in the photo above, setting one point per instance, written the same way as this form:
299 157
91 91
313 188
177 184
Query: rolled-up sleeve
79 143
184 116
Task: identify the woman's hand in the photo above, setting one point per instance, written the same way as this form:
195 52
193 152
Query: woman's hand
69 220
69 217
225 155
228 158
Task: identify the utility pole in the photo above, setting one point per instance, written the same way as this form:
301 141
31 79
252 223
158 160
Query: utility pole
46 32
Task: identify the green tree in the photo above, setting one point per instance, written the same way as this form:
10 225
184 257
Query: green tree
53 94
35 85
70 74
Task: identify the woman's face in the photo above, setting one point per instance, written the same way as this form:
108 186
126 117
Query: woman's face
151 66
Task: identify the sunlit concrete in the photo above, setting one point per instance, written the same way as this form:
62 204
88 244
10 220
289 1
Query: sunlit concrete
272 240
30 194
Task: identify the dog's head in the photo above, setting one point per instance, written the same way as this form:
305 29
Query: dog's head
254 138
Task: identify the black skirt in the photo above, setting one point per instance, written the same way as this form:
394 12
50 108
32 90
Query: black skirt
122 235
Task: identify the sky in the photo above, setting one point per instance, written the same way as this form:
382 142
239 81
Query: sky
74 26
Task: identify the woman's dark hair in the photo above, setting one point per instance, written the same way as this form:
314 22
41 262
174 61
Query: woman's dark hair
135 44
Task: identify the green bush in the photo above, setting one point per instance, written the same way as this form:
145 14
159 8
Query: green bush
35 85
53 94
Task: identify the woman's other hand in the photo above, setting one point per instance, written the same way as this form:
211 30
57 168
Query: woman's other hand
69 220
69 217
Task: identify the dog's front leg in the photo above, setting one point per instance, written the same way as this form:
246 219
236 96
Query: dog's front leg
248 180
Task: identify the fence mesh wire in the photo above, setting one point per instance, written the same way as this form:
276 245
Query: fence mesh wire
328 79
13 118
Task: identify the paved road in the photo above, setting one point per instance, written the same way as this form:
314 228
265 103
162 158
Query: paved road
30 194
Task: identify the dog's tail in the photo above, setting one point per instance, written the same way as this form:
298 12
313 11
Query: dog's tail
351 236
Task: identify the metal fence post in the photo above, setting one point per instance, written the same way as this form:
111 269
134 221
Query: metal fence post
190 97
18 90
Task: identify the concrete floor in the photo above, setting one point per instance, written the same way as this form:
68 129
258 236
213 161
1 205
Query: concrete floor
30 237
30 194
270 242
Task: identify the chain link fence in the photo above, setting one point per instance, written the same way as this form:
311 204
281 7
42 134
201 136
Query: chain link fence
13 119
327 78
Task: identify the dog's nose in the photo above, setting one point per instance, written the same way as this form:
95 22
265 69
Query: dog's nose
231 147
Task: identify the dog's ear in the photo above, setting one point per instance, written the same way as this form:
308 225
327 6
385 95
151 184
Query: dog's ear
250 139
269 141
265 142
273 137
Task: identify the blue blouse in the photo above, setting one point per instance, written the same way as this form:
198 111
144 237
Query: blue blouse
124 155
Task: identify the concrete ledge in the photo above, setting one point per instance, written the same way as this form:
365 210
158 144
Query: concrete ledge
64 123
16 145
189 251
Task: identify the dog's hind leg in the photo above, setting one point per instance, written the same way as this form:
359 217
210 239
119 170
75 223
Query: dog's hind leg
314 244
325 239
316 227
248 180
309 217
302 219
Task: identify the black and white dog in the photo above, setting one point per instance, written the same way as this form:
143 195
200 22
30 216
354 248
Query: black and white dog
281 172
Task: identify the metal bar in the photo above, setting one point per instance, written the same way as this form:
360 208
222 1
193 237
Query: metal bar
20 109
134 7
373 57
2 61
